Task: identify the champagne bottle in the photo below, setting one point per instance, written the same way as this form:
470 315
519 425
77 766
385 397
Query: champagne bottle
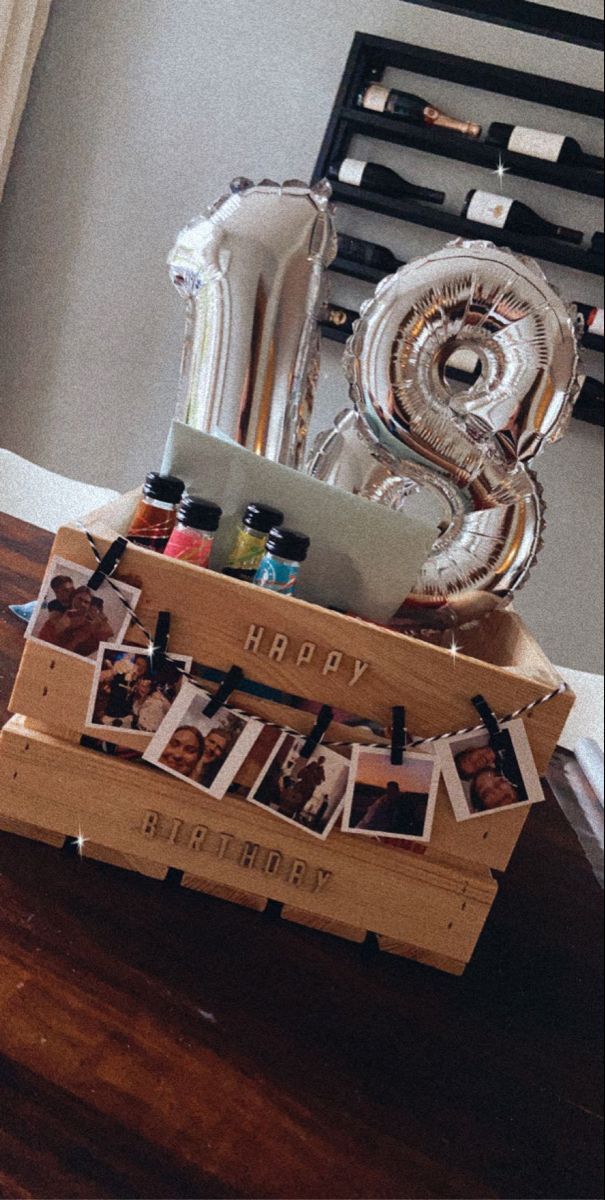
413 109
594 326
488 208
536 143
369 254
376 178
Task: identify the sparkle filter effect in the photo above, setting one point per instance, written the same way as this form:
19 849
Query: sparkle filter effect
80 841
501 171
454 648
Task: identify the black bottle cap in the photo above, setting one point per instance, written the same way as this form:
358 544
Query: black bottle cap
199 513
286 543
262 517
166 488
498 134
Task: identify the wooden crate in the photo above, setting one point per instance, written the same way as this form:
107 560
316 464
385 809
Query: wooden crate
429 903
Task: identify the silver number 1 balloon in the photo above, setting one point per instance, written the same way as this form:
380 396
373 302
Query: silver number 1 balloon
252 272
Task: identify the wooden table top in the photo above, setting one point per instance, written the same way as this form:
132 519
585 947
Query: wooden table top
160 1043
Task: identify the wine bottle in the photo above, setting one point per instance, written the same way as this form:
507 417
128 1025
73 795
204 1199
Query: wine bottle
589 405
376 178
369 254
536 143
594 326
338 321
413 109
597 243
488 208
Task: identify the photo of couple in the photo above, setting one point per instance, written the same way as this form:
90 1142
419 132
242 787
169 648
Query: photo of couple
128 694
305 791
398 802
482 778
205 751
75 619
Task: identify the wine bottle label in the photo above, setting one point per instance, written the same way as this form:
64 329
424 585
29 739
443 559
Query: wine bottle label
463 359
351 171
596 322
536 143
489 209
375 97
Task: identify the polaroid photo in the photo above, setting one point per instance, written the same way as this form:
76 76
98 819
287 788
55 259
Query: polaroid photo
127 694
482 780
307 792
256 761
207 752
72 618
393 802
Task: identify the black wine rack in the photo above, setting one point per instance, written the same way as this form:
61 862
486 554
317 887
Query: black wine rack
371 56
528 17
368 59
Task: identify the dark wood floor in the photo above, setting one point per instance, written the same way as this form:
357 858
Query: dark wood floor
159 1043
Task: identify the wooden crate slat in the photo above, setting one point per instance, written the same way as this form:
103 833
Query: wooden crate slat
196 883
453 966
34 832
435 686
399 894
351 933
126 862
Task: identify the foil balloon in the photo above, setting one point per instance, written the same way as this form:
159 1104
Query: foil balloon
466 447
485 550
252 270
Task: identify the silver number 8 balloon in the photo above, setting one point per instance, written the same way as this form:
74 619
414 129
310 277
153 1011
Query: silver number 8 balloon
414 427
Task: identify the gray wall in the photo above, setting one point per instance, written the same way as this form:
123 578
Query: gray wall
140 112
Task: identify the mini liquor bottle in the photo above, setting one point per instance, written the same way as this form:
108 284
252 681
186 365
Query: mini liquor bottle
191 540
155 513
280 565
251 540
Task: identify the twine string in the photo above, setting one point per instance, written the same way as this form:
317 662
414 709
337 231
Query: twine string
524 710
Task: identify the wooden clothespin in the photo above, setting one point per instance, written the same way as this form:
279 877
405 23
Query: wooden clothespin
399 736
322 723
231 681
108 563
489 719
157 654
